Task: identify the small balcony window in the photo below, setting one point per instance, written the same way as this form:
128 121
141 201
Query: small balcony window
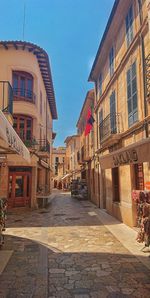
23 86
23 126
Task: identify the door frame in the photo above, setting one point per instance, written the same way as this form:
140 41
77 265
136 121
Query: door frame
11 198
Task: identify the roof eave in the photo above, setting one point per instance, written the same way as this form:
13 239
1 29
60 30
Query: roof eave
91 75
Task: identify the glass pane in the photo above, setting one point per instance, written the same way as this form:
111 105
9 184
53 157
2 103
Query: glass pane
29 88
130 14
15 84
134 88
21 128
135 116
130 119
22 86
28 135
135 102
133 70
129 106
29 123
129 91
19 186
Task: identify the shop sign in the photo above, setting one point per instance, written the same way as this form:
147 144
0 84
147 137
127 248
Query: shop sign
138 152
12 140
126 157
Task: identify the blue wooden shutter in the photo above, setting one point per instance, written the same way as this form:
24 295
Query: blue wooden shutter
132 95
129 26
113 113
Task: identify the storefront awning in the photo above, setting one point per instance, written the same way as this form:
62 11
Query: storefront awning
138 152
11 143
66 176
44 164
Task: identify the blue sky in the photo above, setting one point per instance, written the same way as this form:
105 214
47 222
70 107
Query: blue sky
70 32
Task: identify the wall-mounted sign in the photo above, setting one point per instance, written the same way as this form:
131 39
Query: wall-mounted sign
126 157
12 140
138 152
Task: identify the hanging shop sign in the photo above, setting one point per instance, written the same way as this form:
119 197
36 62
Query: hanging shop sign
138 152
11 139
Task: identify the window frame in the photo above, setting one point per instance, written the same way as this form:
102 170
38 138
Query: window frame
111 61
133 115
23 92
129 26
18 130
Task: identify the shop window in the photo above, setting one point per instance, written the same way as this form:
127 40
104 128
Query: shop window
115 185
129 26
23 85
132 95
23 126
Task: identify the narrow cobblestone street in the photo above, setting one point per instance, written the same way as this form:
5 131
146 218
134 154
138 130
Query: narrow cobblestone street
65 251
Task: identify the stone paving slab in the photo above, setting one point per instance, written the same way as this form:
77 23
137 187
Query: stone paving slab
66 251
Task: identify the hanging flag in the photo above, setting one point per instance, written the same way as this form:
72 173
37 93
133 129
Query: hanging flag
89 122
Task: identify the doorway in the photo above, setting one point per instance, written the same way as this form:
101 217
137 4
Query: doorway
115 185
19 189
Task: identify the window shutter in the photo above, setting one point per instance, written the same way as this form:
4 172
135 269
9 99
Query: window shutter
129 26
132 94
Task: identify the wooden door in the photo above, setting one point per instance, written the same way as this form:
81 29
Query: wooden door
19 189
115 185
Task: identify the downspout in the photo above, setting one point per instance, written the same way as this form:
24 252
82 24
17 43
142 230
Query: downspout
144 69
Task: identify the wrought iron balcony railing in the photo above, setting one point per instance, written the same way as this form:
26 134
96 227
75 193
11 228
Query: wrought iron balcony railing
6 97
39 145
147 68
109 126
24 94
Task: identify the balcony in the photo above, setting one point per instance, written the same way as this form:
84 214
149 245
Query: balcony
147 69
110 129
6 97
24 95
40 147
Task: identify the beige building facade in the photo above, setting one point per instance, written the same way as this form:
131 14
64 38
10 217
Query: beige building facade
72 165
86 152
121 75
26 66
59 165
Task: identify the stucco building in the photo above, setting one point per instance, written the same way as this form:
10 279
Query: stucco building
122 83
72 165
58 164
26 66
86 151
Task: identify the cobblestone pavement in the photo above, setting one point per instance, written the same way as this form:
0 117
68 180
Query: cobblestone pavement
65 251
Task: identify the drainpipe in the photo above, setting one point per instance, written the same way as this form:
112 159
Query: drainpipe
144 68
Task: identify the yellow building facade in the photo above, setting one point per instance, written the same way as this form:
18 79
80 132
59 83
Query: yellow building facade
122 111
86 153
59 165
26 66
72 165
